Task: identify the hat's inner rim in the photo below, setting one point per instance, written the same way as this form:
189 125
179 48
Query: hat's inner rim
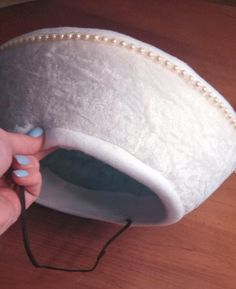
99 190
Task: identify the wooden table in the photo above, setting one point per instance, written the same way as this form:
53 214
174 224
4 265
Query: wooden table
199 251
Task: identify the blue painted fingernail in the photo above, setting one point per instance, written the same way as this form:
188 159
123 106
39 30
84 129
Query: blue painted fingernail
35 132
22 160
20 173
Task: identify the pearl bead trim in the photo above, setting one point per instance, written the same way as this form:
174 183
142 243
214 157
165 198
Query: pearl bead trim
140 50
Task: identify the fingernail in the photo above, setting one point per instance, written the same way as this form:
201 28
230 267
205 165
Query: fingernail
35 132
22 160
20 173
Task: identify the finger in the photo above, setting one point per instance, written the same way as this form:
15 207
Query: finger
32 188
25 162
31 180
24 144
10 207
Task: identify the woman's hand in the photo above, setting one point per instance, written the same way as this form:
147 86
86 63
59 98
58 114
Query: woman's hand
19 164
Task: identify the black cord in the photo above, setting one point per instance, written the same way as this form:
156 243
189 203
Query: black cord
31 256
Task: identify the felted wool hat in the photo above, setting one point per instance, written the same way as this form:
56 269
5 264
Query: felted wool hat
142 136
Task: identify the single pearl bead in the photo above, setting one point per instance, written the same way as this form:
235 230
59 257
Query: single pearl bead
96 37
150 54
69 36
114 41
62 36
159 58
105 39
198 84
54 36
210 94
175 68
191 78
46 37
141 50
123 43
50 37
31 39
215 99
167 63
204 89
183 72
132 47
226 111
233 121
221 105
86 36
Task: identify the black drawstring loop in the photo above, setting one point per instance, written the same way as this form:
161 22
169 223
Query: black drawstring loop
34 261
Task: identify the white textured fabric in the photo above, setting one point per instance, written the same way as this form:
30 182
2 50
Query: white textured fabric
126 100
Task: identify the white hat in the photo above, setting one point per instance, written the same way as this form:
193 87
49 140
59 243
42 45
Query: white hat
144 137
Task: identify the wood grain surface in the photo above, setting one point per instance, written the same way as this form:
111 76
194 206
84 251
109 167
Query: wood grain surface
200 250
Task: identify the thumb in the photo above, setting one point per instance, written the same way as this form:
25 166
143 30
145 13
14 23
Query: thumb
24 144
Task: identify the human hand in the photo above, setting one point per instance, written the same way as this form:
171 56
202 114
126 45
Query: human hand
19 165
